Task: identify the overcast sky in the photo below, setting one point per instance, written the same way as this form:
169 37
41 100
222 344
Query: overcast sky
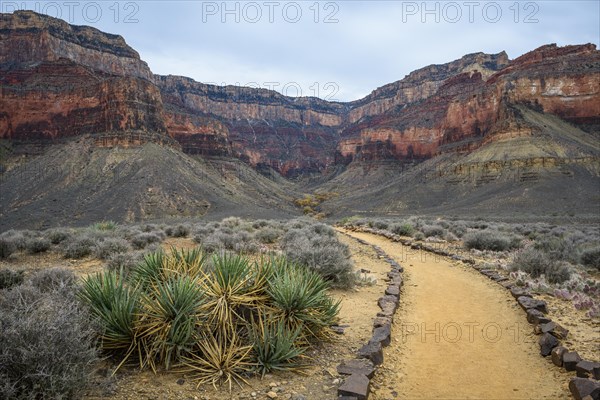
340 50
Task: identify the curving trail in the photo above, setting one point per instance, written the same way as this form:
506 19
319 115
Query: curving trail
457 335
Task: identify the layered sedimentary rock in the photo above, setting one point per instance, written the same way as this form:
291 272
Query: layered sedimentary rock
261 127
467 110
59 81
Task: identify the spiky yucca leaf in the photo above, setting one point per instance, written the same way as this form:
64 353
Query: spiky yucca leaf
169 318
188 262
219 361
151 270
116 306
275 345
233 283
300 296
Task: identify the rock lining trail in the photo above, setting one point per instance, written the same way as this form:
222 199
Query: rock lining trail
458 335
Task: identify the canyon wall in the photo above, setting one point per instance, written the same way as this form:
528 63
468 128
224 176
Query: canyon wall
60 81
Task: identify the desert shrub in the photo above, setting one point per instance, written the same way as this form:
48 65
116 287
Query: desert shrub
323 254
489 240
143 239
125 262
450 237
402 229
268 234
591 257
7 247
458 228
418 235
46 344
380 225
104 226
110 246
231 222
180 230
433 230
201 232
54 280
38 245
58 235
557 248
537 263
80 247
17 239
10 278
225 238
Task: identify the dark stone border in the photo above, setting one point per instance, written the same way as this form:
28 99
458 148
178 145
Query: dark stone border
586 386
361 370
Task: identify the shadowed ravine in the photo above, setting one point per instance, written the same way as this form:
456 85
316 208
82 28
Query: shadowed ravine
458 336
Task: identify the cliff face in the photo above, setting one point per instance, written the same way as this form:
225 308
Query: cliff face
472 108
59 80
261 127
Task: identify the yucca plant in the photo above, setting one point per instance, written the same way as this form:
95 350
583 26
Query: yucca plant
300 297
116 305
275 345
218 361
169 319
188 262
234 283
150 271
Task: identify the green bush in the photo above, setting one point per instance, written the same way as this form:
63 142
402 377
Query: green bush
591 257
38 245
143 239
80 248
489 240
537 263
268 234
403 229
106 248
54 280
46 344
7 247
324 255
178 231
104 226
58 235
433 230
10 278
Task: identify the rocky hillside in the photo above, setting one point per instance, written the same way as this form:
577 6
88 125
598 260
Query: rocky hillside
481 113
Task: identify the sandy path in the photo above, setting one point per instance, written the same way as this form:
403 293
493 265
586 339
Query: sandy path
458 335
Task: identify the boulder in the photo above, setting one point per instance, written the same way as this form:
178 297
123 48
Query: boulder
360 366
570 360
382 335
356 385
528 303
519 292
582 387
536 317
547 343
557 355
587 369
373 352
554 329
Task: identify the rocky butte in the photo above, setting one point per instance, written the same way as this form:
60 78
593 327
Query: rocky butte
60 81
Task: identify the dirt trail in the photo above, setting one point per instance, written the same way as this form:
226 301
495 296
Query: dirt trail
458 335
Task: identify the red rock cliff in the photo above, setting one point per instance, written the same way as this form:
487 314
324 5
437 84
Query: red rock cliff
59 80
